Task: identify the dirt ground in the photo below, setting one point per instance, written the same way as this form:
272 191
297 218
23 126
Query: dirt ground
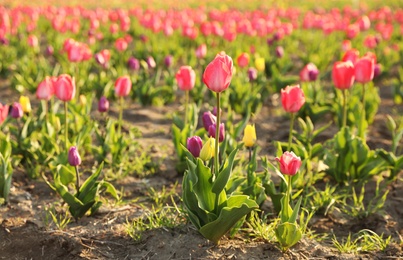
25 235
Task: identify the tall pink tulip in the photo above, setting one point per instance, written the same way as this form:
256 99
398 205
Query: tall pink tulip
65 87
123 85
343 74
46 89
292 98
218 73
186 78
364 69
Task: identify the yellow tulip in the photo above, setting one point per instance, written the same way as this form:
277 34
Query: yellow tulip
83 100
259 64
25 104
249 136
207 151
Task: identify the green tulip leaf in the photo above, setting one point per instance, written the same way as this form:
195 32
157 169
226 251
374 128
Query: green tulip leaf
236 208
223 176
288 234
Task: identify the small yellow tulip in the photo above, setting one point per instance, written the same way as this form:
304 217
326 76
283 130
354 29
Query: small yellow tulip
25 104
83 100
207 151
259 64
249 136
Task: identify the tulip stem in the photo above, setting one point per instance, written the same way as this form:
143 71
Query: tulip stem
66 129
186 107
291 129
361 128
344 108
217 136
77 181
120 115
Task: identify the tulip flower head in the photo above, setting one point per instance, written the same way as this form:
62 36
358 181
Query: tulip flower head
243 60
16 110
289 163
151 62
74 157
249 136
123 85
25 104
309 73
218 73
186 78
65 88
207 151
168 61
133 63
351 55
46 89
212 131
364 69
260 64
252 74
194 145
208 119
343 74
103 104
3 112
292 98
279 51
201 51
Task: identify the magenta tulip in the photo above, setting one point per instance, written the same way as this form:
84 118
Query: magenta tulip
194 145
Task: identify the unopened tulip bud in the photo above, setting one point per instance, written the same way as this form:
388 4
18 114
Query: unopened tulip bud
194 145
74 156
212 132
208 119
252 74
207 151
25 104
168 61
249 136
133 63
103 104
377 70
151 62
16 111
279 51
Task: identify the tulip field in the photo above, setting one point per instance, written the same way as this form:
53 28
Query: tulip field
213 130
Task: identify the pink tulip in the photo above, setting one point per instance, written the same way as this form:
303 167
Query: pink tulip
103 104
46 89
33 41
343 74
309 73
289 163
65 88
292 98
123 85
201 51
351 55
3 112
243 60
218 73
364 69
186 78
121 44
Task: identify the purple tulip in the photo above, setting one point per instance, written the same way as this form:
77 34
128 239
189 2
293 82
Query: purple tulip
103 104
279 51
377 70
16 111
252 74
208 119
168 61
194 145
49 50
133 63
74 156
212 130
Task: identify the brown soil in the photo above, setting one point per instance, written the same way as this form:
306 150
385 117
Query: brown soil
24 233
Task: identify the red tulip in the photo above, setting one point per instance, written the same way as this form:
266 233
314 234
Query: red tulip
292 98
46 89
186 78
3 112
123 85
289 163
218 73
121 44
364 69
243 60
343 74
65 88
351 55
